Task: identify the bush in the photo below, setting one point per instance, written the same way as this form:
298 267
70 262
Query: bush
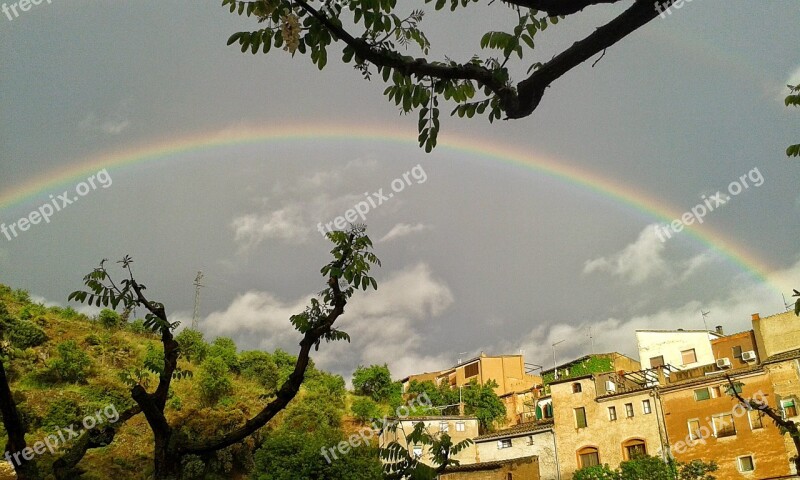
31 310
62 413
154 359
596 472
69 313
71 365
374 381
214 381
109 318
22 296
192 345
260 367
365 409
24 334
225 348
137 326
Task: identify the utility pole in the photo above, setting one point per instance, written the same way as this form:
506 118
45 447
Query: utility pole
197 286
555 372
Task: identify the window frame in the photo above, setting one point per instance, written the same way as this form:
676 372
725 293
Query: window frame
733 351
793 405
714 424
461 426
577 417
629 413
739 464
646 407
576 387
694 355
704 389
444 426
612 413
504 443
468 368
693 434
588 450
632 444
759 415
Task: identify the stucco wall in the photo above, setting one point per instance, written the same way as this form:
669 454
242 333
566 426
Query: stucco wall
468 455
785 378
543 446
777 333
723 347
670 344
523 469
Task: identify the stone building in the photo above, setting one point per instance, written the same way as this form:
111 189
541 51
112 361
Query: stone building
525 468
524 440
459 428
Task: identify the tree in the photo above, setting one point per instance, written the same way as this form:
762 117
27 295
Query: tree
482 402
786 426
374 33
596 472
365 409
259 366
225 348
192 345
374 381
71 365
214 380
109 318
793 99
645 467
345 273
400 464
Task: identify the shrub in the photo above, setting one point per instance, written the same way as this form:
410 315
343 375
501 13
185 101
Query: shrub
260 367
22 296
192 345
374 381
71 365
225 348
62 413
364 409
596 472
24 334
109 318
31 310
154 359
214 381
69 313
137 326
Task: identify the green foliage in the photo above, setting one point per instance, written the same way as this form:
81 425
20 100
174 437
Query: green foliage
214 381
312 411
154 358
62 413
649 468
374 381
596 472
192 468
31 310
439 395
365 409
137 327
593 364
109 318
70 365
697 470
259 366
24 334
22 296
400 464
192 345
328 384
225 348
482 402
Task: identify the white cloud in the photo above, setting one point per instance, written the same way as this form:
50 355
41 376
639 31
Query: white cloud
285 224
401 230
637 262
112 124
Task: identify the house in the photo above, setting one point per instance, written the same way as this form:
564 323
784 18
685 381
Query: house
526 468
459 428
777 333
682 349
521 441
593 363
607 418
704 422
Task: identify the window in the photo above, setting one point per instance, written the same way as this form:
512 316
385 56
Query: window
417 451
723 425
510 476
746 464
548 410
694 429
580 417
530 440
444 426
657 361
612 413
789 408
701 394
576 388
629 410
688 356
737 387
646 406
588 456
460 426
504 443
716 392
756 419
471 370
737 352
634 448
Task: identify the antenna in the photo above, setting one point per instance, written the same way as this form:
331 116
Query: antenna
787 305
591 339
197 286
704 315
459 357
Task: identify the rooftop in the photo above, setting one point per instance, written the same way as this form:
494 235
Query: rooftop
521 429
477 467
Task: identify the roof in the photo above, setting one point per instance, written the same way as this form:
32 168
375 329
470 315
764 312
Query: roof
783 356
429 418
681 330
709 378
476 467
475 359
572 379
521 429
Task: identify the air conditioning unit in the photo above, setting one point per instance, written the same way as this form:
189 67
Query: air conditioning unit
723 362
749 356
610 386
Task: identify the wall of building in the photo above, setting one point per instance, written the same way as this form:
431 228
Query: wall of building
785 377
777 333
432 425
602 433
765 445
540 443
670 344
522 469
723 347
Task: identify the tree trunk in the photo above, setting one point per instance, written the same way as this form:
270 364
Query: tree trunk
167 459
26 470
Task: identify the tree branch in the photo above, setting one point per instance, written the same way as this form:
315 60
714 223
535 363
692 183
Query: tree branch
558 7
14 427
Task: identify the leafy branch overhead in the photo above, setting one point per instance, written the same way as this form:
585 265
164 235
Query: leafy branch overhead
377 34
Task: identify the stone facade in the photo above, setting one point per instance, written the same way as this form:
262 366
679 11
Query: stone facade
526 468
459 428
522 441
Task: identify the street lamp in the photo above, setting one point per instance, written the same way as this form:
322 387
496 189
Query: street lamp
555 372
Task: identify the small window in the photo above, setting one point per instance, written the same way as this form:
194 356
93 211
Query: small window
723 425
612 413
504 443
688 356
628 410
580 417
646 407
657 361
789 408
471 370
460 426
746 464
737 352
576 388
417 452
756 418
510 476
694 429
737 387
701 394
716 392
444 426
634 448
548 410
530 440
588 456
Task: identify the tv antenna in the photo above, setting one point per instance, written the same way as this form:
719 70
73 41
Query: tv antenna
591 339
704 315
787 305
197 286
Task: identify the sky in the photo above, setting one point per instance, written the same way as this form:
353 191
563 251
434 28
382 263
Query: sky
507 238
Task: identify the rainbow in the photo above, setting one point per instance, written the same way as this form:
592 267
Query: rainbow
56 179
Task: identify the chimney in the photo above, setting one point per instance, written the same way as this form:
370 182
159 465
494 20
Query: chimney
755 317
718 328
